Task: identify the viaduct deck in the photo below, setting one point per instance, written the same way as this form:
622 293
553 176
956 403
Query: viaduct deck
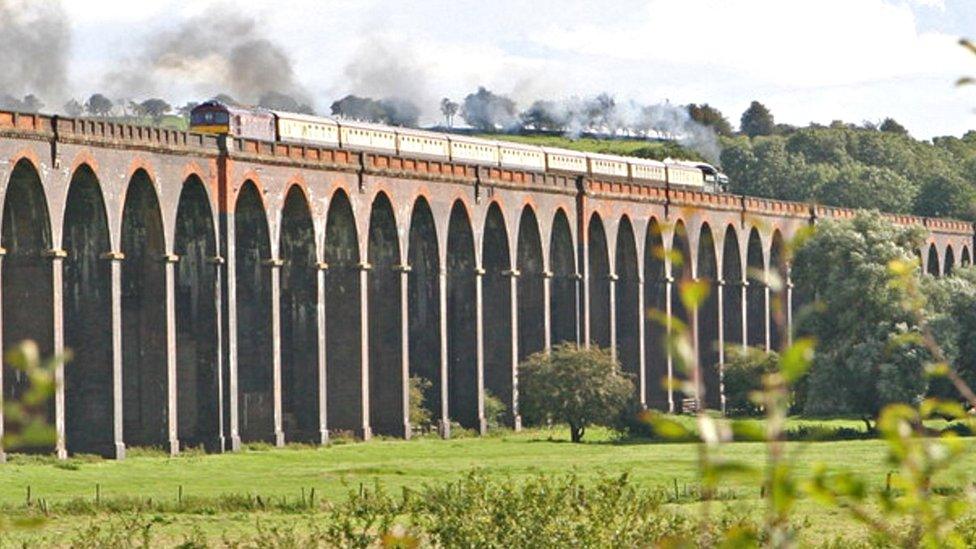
213 291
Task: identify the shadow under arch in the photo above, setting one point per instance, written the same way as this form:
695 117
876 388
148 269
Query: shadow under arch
626 303
681 272
598 264
564 302
497 309
655 333
932 266
145 399
462 337
89 406
254 347
388 414
424 310
299 321
343 318
530 286
708 321
756 303
28 299
198 377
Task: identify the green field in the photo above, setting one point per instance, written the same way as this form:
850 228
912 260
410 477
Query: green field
644 148
286 475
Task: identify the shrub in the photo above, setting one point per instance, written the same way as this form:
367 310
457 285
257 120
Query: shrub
495 410
581 387
744 376
420 416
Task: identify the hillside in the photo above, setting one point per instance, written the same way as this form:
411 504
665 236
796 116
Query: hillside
643 148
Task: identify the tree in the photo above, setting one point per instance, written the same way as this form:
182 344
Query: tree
710 117
399 112
98 105
757 120
488 111
359 108
542 115
582 387
284 102
155 108
868 355
226 100
32 103
73 108
890 125
946 196
743 376
187 109
449 109
867 187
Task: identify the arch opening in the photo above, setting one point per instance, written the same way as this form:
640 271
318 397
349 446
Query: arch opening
950 261
386 381
933 262
563 304
144 376
462 321
343 318
531 287
424 308
254 347
681 263
598 263
964 259
778 328
755 293
655 334
28 298
89 407
299 321
626 301
497 287
732 296
708 321
197 365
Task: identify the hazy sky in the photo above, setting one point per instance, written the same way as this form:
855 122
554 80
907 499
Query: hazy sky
808 60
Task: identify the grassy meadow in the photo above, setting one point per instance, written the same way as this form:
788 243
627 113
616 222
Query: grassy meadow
185 499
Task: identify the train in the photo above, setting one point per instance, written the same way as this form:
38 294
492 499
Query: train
215 117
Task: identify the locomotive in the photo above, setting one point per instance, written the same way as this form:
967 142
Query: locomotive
216 117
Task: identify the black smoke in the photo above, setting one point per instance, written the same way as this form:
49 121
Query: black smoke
219 50
35 43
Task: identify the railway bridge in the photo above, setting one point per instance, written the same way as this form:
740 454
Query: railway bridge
214 291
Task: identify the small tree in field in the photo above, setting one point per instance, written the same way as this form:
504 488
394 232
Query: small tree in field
581 387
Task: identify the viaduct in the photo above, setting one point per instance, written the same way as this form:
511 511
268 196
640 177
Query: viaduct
214 291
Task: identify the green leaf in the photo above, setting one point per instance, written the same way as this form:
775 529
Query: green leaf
796 360
694 293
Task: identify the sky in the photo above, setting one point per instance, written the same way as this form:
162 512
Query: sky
807 60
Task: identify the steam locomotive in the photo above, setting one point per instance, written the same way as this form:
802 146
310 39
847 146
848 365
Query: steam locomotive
267 125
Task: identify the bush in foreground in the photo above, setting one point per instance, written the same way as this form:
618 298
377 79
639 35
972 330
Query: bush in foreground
580 387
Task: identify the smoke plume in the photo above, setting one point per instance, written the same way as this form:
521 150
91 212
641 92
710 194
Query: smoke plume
602 114
391 72
35 39
219 50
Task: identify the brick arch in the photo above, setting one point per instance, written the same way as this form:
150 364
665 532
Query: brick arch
480 223
135 169
949 261
933 264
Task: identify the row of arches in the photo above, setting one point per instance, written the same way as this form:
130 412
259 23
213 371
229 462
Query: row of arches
241 340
